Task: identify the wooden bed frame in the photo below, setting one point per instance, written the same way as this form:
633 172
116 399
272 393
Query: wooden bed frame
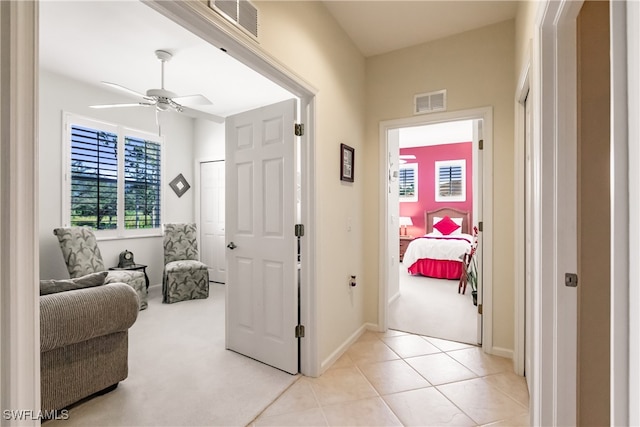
451 213
443 269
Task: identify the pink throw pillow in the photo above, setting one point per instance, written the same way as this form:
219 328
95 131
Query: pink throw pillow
446 226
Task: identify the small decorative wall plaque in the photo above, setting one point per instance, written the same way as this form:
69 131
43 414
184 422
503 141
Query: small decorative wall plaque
179 185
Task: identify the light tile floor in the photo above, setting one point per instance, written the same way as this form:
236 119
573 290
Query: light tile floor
395 378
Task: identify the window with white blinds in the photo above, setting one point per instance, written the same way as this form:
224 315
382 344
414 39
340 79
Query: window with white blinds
141 183
94 178
408 182
114 178
450 181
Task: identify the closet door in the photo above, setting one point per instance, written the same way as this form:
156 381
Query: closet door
212 251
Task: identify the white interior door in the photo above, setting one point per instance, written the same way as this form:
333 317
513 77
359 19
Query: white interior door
262 294
212 205
393 224
477 214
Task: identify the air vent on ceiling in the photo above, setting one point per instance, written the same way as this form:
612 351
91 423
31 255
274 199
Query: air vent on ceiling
430 102
241 12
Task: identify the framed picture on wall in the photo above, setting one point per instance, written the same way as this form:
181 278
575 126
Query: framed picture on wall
346 163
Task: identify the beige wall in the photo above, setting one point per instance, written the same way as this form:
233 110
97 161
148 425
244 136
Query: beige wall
477 69
307 40
525 22
593 214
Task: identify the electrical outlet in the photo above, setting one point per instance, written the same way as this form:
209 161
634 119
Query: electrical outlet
352 281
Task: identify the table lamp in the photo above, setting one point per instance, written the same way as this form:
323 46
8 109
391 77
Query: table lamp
404 222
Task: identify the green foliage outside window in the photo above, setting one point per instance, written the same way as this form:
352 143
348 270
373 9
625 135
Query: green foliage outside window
94 180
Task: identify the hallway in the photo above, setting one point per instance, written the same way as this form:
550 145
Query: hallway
396 378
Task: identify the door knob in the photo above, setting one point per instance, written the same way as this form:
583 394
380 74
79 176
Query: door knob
232 246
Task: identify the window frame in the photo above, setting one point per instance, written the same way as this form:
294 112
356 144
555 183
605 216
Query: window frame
120 232
462 197
414 197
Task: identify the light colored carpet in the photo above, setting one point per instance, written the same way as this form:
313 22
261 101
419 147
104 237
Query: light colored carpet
180 373
433 307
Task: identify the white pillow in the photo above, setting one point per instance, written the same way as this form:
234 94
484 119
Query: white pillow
437 219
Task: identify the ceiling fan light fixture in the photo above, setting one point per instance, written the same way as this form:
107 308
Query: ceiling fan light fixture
160 93
163 105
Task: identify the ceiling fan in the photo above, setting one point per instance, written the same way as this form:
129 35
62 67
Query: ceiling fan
162 99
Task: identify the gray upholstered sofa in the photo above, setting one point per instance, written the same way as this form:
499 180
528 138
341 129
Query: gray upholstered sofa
84 342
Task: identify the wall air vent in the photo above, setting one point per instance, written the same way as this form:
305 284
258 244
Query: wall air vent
241 12
430 102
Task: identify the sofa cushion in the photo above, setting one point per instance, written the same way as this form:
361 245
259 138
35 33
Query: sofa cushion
88 281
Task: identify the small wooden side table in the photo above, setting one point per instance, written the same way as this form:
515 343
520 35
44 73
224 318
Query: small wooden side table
135 267
404 243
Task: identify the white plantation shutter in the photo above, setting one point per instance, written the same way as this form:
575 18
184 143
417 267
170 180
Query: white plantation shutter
408 182
114 182
94 174
142 186
450 181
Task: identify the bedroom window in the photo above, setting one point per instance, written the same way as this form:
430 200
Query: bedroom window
113 179
408 182
450 181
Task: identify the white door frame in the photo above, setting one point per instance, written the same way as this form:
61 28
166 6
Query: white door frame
197 199
386 269
19 235
554 356
522 306
625 205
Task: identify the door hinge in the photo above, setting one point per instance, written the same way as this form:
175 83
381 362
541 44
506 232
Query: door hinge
299 129
481 144
299 230
479 308
480 226
299 331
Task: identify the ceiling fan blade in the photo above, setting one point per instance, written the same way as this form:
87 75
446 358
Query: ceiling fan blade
192 100
137 104
197 114
124 89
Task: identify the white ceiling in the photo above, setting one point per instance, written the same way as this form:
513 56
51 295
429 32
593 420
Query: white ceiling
114 41
436 134
378 27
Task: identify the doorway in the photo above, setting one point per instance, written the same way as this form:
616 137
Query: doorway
437 170
389 150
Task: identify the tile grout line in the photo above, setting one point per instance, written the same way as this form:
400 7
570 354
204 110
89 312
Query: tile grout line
378 391
422 376
315 396
299 377
477 376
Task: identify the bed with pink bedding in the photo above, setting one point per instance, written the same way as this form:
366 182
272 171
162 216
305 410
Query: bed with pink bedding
438 254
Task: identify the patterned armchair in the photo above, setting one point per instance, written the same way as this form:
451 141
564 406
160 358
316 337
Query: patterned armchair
82 256
184 277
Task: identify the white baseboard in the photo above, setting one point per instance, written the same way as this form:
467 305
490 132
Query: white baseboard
373 327
502 352
326 364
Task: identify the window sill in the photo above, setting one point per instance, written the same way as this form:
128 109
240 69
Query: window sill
127 237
